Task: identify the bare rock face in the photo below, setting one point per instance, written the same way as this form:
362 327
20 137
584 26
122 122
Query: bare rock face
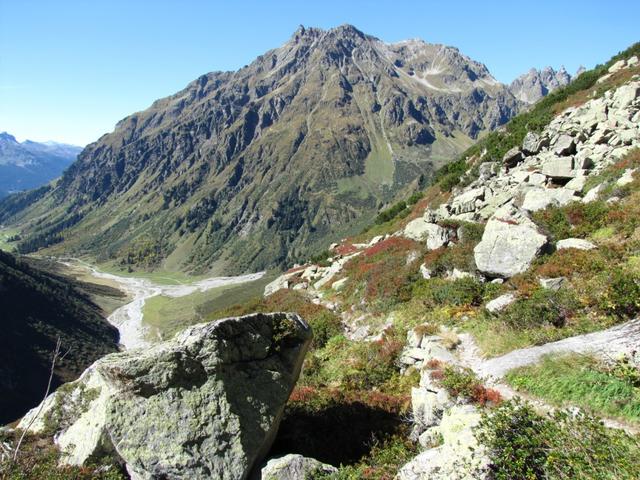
459 457
206 404
535 84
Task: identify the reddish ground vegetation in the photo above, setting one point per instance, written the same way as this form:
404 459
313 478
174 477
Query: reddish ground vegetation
345 249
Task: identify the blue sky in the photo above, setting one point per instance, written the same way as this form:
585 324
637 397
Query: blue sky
69 70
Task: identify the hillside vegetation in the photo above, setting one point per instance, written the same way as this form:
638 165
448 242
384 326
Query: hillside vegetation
38 308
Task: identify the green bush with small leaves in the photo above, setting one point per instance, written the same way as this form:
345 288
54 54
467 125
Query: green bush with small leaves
522 444
622 297
438 292
544 307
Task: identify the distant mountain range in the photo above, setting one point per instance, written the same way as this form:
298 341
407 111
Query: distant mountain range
30 164
535 84
260 167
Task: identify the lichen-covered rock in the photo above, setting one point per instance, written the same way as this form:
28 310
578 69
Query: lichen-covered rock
554 284
509 244
206 404
592 195
564 145
295 467
533 143
428 406
459 457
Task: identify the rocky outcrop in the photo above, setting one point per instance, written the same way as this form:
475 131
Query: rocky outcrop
459 456
442 425
295 467
551 167
509 244
206 404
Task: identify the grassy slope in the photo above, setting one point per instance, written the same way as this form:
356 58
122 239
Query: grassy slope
166 315
582 381
5 234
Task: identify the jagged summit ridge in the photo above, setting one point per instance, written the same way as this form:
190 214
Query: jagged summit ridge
535 84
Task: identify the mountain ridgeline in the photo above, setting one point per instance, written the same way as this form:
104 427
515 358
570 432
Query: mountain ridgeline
256 168
26 165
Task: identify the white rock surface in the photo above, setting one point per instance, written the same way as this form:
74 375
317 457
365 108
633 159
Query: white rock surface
540 198
626 178
500 303
509 244
577 243
421 230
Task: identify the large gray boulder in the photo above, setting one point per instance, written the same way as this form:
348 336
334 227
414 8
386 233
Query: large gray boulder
509 244
206 404
420 230
295 467
564 145
559 168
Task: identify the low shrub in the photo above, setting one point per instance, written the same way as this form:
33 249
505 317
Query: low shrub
522 444
543 308
356 366
400 209
382 463
624 369
463 382
622 297
381 276
435 292
565 263
574 220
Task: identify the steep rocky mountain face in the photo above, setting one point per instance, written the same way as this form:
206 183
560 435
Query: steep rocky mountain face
255 168
30 164
38 308
535 84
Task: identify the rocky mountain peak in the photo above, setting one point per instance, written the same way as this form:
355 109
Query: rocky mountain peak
352 121
535 84
7 137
